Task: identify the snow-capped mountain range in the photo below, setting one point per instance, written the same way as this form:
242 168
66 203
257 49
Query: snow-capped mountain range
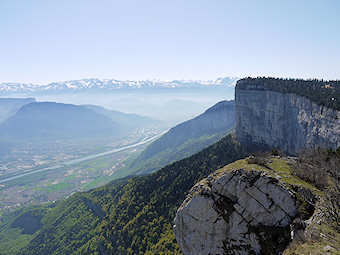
110 84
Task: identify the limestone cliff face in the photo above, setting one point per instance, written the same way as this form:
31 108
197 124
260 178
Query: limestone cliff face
285 121
240 209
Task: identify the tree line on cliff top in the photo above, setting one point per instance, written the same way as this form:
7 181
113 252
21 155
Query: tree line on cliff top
325 93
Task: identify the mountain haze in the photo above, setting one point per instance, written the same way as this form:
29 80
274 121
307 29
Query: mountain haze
109 84
128 216
266 203
48 120
9 106
187 138
127 121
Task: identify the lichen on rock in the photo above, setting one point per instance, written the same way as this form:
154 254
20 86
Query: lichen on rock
236 211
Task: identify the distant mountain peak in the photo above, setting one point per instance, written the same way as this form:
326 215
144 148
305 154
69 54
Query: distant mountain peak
227 81
94 84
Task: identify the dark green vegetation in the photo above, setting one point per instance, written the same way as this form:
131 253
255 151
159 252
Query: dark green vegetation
326 93
187 138
18 228
127 216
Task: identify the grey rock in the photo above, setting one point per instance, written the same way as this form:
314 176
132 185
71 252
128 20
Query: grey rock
328 248
285 121
233 213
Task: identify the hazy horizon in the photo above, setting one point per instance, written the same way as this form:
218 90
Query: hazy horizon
113 78
166 80
47 41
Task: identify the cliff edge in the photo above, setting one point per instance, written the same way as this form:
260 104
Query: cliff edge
247 207
283 120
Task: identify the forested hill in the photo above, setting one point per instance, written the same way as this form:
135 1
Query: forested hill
132 216
49 120
326 93
187 138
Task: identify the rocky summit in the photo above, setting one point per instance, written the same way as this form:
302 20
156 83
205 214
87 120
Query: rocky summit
244 208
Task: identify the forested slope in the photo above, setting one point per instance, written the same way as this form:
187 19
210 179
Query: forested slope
130 216
187 138
52 121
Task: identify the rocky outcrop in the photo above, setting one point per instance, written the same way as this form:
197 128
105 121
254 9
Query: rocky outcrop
284 121
236 212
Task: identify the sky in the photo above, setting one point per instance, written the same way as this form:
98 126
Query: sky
45 41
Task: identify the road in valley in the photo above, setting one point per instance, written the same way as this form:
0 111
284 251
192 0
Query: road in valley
145 140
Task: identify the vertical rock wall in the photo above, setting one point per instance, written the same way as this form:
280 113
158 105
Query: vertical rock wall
285 121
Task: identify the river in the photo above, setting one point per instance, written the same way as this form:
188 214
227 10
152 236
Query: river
145 140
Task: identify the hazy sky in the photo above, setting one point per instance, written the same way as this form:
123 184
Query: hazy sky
44 41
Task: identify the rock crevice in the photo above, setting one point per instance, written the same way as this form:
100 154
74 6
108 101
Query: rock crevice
285 121
239 212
